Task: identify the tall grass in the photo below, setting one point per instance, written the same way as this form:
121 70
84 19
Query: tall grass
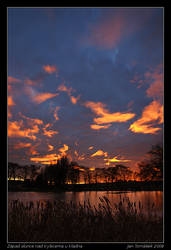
60 221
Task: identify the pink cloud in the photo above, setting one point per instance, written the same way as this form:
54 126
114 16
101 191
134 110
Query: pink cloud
108 32
156 89
112 28
30 82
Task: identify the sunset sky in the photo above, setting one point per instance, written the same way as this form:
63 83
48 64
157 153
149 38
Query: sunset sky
86 82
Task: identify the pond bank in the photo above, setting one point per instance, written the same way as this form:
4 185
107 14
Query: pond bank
119 186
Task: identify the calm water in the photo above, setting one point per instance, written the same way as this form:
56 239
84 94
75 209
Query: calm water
146 198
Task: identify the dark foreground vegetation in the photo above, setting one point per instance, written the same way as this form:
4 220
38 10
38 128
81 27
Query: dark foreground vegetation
66 222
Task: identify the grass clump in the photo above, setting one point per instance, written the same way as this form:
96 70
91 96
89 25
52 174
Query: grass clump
60 221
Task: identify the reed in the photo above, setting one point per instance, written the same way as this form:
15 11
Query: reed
60 221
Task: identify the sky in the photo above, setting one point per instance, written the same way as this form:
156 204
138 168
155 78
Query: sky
86 83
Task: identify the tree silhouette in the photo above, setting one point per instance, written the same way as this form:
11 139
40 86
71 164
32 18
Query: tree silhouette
12 170
113 171
152 168
62 172
33 171
123 172
73 173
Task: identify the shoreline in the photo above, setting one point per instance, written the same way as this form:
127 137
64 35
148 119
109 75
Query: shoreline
123 187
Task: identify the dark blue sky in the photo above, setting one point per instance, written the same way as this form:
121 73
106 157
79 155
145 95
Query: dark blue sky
81 78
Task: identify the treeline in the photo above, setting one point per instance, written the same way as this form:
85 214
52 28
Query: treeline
65 172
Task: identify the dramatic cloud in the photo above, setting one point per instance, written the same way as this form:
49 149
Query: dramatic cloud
50 69
100 153
151 116
51 158
106 117
17 129
46 159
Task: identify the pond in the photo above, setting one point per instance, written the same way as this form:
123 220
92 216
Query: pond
148 200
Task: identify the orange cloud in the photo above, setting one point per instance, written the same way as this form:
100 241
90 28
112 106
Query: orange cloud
16 129
106 117
64 149
31 120
13 80
42 97
22 145
10 104
76 153
10 101
81 157
114 159
46 159
50 133
100 153
91 147
74 99
64 88
50 147
50 69
91 169
33 152
151 116
56 113
97 127
32 149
